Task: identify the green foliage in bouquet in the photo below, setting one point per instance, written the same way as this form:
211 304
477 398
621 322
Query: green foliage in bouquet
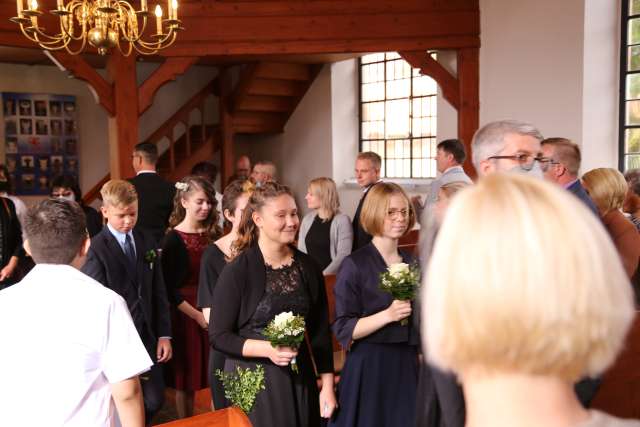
401 280
242 386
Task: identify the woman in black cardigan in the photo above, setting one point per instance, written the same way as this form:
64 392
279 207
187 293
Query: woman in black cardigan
269 277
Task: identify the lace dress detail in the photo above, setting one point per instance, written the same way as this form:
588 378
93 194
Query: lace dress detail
284 291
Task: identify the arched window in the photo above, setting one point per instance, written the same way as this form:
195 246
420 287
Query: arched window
398 116
630 86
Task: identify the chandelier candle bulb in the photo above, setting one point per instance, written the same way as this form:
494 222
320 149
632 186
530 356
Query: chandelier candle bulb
19 4
143 5
174 8
159 19
60 4
33 5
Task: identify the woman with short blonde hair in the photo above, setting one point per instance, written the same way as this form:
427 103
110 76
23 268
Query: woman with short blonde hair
608 189
518 317
325 234
378 383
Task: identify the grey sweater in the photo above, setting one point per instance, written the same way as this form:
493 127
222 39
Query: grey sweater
341 235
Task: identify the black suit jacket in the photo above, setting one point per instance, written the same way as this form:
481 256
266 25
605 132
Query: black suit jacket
360 237
155 203
238 292
142 288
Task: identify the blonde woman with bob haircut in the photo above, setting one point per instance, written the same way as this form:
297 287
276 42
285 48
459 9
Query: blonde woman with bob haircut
608 189
379 381
518 317
325 233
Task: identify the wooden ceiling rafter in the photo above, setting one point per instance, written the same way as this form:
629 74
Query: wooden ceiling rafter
165 73
448 83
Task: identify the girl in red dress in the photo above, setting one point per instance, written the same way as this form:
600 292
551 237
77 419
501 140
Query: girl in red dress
193 226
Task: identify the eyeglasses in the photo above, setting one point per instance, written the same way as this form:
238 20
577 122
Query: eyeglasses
545 162
394 213
526 161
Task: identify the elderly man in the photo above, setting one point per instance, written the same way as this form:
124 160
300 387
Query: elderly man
561 165
507 146
367 174
264 171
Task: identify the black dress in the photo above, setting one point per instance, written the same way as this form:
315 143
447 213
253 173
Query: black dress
213 261
318 242
248 296
379 380
10 239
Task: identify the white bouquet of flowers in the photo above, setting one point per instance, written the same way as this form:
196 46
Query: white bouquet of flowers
286 329
402 281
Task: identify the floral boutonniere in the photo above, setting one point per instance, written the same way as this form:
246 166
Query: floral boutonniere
150 257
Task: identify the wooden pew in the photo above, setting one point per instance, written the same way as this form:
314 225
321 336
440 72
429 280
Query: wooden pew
619 393
230 417
409 242
339 354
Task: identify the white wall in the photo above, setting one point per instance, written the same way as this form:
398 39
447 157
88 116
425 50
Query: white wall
554 64
93 147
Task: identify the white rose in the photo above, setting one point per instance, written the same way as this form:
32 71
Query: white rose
396 270
282 319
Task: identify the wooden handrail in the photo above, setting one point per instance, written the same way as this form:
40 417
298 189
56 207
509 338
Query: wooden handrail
196 102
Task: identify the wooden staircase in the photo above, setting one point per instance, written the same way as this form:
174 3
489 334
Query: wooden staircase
265 97
268 93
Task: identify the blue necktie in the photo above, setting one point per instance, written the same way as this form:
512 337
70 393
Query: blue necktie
129 251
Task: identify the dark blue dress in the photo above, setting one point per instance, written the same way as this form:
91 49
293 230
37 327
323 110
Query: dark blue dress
379 380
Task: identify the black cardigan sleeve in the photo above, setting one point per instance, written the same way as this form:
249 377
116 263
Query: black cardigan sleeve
227 298
175 266
211 265
318 319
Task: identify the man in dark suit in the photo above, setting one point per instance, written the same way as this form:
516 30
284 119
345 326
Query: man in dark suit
155 195
125 261
561 165
367 174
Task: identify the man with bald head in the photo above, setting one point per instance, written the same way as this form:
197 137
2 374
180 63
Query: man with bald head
507 146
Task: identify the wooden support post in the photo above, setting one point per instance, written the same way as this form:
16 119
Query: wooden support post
123 127
226 128
469 111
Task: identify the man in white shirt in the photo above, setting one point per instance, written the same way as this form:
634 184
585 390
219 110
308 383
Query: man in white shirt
70 352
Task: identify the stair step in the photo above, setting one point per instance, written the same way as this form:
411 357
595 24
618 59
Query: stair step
276 87
266 103
283 71
258 122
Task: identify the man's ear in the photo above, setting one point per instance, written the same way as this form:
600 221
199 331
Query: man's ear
84 248
26 247
485 167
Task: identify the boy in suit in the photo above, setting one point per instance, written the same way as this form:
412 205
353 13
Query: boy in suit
125 260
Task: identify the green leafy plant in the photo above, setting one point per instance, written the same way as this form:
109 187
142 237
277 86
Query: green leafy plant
242 386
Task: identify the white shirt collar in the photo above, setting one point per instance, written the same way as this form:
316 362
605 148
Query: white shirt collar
120 237
146 171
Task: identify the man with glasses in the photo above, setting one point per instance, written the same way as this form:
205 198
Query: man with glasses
507 146
561 165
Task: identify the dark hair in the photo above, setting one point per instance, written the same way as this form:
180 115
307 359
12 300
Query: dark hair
67 181
148 151
191 184
455 147
7 175
55 229
205 170
565 152
232 193
248 232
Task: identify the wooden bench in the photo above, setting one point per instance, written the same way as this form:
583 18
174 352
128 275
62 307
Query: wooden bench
339 354
229 417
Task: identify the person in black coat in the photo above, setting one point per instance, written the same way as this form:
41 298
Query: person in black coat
367 174
155 195
379 380
11 251
267 278
125 261
214 259
66 187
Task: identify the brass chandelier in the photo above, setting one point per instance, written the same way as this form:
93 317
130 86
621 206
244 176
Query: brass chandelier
104 24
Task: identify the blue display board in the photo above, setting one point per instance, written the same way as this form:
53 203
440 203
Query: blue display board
41 139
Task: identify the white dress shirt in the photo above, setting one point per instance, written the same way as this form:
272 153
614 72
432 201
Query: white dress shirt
65 338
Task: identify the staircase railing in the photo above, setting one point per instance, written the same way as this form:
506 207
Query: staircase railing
167 130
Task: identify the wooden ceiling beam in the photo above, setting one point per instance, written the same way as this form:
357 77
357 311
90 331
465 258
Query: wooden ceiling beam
81 70
432 68
164 74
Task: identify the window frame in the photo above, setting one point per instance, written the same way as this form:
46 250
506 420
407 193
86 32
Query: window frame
626 18
410 99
